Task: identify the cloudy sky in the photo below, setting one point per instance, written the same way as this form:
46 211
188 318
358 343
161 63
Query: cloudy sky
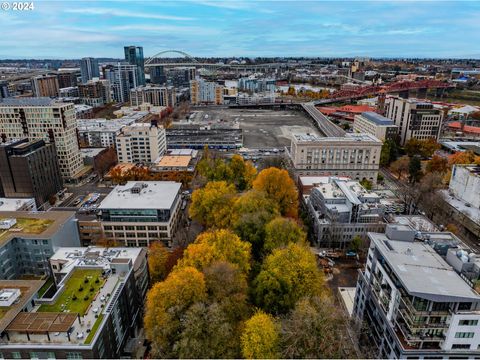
75 28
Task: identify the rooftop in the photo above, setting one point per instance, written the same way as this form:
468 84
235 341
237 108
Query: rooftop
422 271
377 118
14 204
28 288
349 137
174 161
29 101
142 195
36 225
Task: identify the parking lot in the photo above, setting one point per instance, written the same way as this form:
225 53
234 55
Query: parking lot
262 128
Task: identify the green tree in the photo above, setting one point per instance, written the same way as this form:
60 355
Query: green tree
287 275
279 187
281 232
415 169
316 329
389 152
260 338
211 205
356 244
367 184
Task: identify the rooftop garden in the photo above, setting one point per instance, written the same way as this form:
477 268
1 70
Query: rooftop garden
28 226
78 292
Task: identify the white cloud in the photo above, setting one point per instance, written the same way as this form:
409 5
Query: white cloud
122 13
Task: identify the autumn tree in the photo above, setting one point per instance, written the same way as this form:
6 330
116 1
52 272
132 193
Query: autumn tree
157 261
251 212
173 258
437 164
243 172
423 148
279 187
287 275
316 329
217 245
367 184
211 205
166 305
400 166
282 231
260 338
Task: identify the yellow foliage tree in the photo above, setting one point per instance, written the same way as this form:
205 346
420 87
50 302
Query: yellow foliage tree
260 337
279 187
217 245
287 275
157 261
212 205
166 303
281 232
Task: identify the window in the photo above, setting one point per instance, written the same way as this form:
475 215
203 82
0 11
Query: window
464 335
16 355
466 322
461 346
73 355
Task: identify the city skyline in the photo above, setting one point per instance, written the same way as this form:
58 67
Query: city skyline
243 28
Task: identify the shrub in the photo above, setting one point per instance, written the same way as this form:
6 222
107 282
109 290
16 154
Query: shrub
85 298
91 289
97 280
80 288
85 280
74 297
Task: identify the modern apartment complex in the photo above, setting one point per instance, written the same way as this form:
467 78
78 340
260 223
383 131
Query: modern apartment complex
29 169
342 209
355 155
122 78
205 92
155 95
45 86
415 119
67 78
95 93
89 69
417 296
44 119
138 213
114 282
134 56
375 124
29 239
141 143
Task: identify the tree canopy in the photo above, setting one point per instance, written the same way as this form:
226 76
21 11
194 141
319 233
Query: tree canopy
260 338
217 245
157 261
279 186
287 275
281 232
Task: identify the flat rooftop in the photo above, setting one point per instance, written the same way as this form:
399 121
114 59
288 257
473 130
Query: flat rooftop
29 101
28 288
10 204
417 222
174 161
349 137
422 271
37 224
151 195
91 152
377 118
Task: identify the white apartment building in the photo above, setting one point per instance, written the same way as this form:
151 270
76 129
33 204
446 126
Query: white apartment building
375 124
354 155
342 209
122 77
155 95
415 302
415 119
205 92
141 143
465 184
48 120
137 213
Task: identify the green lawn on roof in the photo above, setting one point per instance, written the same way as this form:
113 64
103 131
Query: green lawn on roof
74 300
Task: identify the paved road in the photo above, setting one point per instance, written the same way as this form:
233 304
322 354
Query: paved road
325 125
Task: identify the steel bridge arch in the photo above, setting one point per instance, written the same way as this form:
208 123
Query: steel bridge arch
156 56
